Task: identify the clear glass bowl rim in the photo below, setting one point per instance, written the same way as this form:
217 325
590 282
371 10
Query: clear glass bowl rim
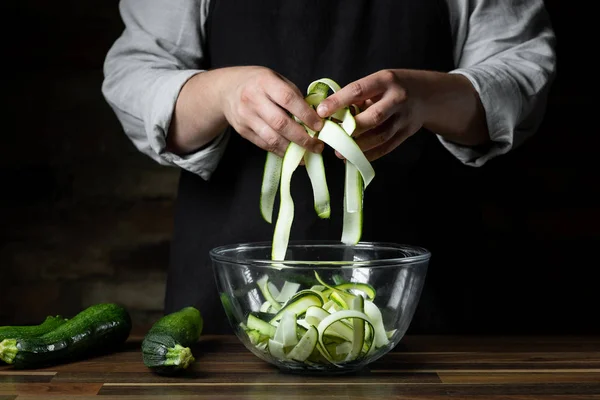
220 254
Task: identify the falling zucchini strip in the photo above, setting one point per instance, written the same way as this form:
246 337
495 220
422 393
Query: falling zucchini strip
291 159
318 180
353 189
314 161
270 183
316 172
353 207
337 133
314 165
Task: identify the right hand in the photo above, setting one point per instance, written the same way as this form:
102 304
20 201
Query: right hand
255 101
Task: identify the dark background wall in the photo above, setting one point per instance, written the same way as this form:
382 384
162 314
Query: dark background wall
86 218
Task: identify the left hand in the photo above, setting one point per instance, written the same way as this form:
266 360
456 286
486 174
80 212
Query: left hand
391 110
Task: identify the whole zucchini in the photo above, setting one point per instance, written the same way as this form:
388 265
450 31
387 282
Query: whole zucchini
97 329
165 348
29 331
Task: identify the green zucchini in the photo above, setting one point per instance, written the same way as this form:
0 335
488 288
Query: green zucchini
29 331
165 348
97 329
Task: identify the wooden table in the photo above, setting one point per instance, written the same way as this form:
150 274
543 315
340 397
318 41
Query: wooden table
420 368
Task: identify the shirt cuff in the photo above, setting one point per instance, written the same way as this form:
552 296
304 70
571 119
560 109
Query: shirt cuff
501 101
160 111
202 162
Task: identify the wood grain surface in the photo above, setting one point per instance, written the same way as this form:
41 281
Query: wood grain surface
420 368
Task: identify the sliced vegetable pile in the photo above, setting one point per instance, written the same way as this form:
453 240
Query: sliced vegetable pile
321 325
165 347
337 133
98 328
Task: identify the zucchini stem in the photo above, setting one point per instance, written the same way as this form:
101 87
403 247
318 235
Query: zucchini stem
179 355
8 350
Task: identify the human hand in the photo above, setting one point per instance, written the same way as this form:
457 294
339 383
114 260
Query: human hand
392 109
255 101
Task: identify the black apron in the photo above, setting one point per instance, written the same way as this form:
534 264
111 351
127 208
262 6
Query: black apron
418 194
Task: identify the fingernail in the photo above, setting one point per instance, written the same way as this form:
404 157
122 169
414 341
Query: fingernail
320 147
322 110
318 125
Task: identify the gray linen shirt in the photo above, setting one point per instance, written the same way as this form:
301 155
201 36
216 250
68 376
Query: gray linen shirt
506 48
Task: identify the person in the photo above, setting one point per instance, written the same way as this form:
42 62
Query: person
444 87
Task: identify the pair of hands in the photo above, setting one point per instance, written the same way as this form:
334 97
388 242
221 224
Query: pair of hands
257 108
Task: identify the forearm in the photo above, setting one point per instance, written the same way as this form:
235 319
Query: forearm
198 117
506 49
145 71
453 108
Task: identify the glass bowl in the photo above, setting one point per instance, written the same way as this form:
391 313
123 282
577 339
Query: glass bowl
328 308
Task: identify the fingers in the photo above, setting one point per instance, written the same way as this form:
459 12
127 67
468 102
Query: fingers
368 103
289 98
276 125
356 93
381 134
381 140
379 112
267 140
397 139
263 108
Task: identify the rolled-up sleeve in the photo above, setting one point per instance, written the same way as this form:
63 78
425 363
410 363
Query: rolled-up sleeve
507 51
145 69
